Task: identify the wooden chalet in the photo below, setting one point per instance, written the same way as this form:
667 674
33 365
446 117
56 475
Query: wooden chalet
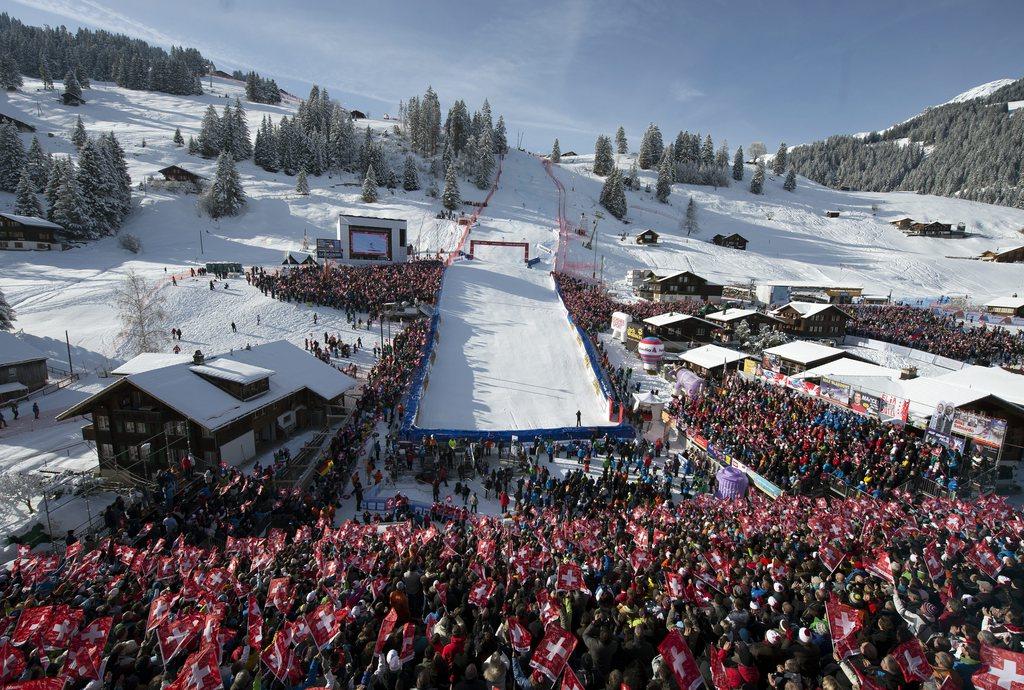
729 319
913 228
176 173
679 331
831 214
813 321
24 233
647 237
1006 306
678 285
20 125
22 368
1004 255
733 241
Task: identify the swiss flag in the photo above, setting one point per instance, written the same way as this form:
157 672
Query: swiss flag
933 562
254 624
324 623
1000 669
279 594
550 611
481 592
85 656
674 585
12 662
160 610
553 651
844 622
31 625
677 655
408 643
200 672
570 578
518 636
830 556
717 666
985 560
40 684
881 566
910 658
641 559
279 659
386 626
570 681
174 636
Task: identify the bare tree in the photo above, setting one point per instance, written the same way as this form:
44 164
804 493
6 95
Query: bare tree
21 487
756 150
141 309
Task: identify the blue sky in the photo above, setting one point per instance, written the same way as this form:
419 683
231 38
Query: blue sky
744 70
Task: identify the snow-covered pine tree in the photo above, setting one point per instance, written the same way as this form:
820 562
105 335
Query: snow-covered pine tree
757 181
613 194
68 210
500 137
485 159
44 76
10 76
790 184
651 147
241 144
37 163
53 180
341 140
737 165
663 188
742 334
604 160
410 178
227 130
225 196
26 203
210 139
98 190
722 157
12 157
632 180
78 134
556 152
621 145
193 146
6 314
302 184
690 223
430 119
264 152
177 138
72 85
370 186
117 165
451 197
779 164
707 152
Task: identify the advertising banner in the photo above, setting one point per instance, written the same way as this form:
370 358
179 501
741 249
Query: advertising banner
836 391
865 403
984 430
894 408
329 249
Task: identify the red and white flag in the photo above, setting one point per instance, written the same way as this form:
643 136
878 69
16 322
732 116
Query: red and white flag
408 643
40 684
933 562
911 659
324 623
570 681
386 626
481 592
844 622
279 659
830 556
678 657
881 566
674 585
175 636
641 559
982 557
12 662
518 636
64 622
160 610
553 651
85 655
254 624
279 594
200 672
550 611
570 578
31 626
1000 669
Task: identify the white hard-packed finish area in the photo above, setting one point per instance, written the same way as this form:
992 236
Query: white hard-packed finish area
506 356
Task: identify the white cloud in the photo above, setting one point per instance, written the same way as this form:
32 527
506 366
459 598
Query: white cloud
684 92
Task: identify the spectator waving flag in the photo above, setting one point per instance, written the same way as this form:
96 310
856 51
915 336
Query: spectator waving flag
12 662
570 681
830 556
982 557
912 661
679 659
844 623
570 578
85 656
553 651
480 594
518 636
1000 669
933 562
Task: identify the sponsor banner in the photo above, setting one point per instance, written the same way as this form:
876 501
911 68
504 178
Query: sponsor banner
836 391
751 367
945 440
762 484
329 249
894 408
865 403
984 430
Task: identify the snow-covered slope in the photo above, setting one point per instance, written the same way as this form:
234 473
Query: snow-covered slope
980 91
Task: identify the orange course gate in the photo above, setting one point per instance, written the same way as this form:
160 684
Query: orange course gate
524 245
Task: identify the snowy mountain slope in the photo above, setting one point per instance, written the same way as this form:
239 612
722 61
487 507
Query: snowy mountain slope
980 91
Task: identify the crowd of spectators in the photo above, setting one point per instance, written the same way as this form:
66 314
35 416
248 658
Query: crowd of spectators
591 306
354 289
941 334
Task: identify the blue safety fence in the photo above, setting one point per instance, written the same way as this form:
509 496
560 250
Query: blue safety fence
412 397
592 357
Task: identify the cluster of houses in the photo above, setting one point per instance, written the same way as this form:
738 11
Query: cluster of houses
914 228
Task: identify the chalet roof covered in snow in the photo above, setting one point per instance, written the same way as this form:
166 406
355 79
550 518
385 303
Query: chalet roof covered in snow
29 220
150 360
671 318
847 366
992 380
13 350
733 314
808 309
290 369
803 351
711 356
1006 303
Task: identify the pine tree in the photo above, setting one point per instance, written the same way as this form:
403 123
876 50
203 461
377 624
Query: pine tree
691 217
757 181
193 146
302 184
613 195
210 140
12 157
26 203
72 86
98 190
556 152
117 169
225 196
178 139
790 184
663 189
44 76
737 165
78 135
241 144
651 147
604 160
68 210
621 145
500 137
37 163
370 186
410 178
53 181
6 314
10 76
779 164
485 160
451 197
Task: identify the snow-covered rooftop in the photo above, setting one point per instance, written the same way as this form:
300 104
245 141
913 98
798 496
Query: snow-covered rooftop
710 356
671 318
29 220
150 360
806 309
178 386
730 314
228 369
994 380
13 350
803 351
847 366
1006 303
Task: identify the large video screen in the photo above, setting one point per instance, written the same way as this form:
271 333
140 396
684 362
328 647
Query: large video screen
370 243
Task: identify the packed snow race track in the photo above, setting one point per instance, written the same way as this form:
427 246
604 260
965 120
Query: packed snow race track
506 358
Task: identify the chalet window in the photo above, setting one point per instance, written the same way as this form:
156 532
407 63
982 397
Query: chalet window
175 429
102 422
106 451
133 453
144 451
129 427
